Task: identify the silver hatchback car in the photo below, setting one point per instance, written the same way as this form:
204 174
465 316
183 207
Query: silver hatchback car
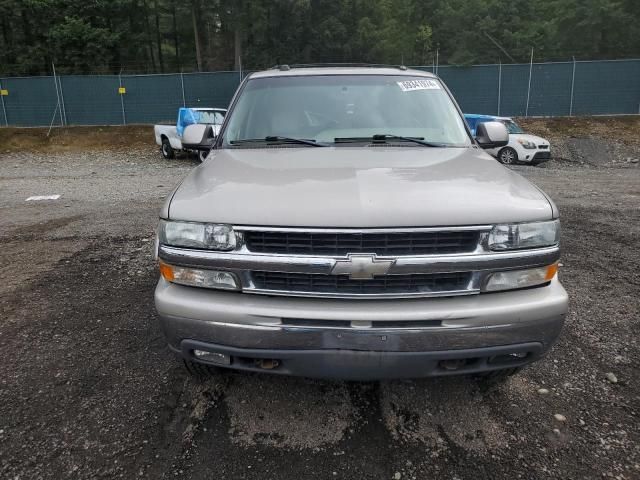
346 224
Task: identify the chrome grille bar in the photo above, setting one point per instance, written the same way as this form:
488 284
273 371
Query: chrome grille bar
323 265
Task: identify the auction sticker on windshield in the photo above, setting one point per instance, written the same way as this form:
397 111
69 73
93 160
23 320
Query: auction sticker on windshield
423 84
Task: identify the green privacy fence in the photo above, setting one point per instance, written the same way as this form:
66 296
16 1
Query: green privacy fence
605 87
96 99
540 89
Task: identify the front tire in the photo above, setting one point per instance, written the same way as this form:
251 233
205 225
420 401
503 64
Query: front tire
508 156
167 150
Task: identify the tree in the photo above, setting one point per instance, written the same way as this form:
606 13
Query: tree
164 35
77 44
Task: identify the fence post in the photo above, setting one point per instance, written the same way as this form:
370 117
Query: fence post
55 110
184 103
4 110
499 84
63 110
55 84
124 117
573 80
526 112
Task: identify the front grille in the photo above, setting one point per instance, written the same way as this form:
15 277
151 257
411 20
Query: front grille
339 244
543 147
343 285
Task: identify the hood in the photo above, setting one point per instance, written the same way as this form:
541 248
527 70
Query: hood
532 138
356 187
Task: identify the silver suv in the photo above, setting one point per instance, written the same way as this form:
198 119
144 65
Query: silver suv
346 224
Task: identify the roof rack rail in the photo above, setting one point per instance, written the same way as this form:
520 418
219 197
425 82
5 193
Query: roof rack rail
285 67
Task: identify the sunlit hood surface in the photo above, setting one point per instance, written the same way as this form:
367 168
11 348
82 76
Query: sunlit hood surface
356 187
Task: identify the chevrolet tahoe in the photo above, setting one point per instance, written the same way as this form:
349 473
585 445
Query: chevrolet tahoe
347 224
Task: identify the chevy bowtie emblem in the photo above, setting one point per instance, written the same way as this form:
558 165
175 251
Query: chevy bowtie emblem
362 266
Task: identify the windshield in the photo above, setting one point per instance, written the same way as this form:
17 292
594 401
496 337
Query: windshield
512 127
210 117
323 108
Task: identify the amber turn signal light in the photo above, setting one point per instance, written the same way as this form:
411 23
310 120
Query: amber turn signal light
551 272
167 272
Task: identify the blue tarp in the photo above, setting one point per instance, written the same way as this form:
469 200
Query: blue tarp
474 119
186 117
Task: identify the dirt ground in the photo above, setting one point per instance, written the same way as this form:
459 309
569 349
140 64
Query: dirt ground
89 390
76 139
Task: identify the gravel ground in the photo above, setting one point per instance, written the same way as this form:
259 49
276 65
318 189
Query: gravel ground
89 390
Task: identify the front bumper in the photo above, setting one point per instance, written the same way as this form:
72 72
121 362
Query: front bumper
363 339
534 156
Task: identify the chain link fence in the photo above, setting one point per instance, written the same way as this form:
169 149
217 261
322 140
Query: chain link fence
606 87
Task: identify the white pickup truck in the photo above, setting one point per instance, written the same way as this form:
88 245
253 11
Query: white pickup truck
169 137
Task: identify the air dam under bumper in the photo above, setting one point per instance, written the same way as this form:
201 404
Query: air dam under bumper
363 340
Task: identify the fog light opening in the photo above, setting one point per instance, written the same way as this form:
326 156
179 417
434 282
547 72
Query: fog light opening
519 355
213 357
513 357
453 364
267 363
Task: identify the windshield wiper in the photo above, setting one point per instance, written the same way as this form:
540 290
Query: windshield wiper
278 139
382 138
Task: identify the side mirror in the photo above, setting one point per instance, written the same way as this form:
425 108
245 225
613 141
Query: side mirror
492 135
198 137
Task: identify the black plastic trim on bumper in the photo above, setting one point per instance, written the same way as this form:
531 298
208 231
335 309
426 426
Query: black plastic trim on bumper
367 365
540 157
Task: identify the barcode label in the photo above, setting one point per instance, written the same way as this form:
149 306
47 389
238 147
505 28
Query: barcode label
423 84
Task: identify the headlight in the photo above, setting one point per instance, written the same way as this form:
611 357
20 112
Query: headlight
197 235
524 235
515 279
526 144
194 277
